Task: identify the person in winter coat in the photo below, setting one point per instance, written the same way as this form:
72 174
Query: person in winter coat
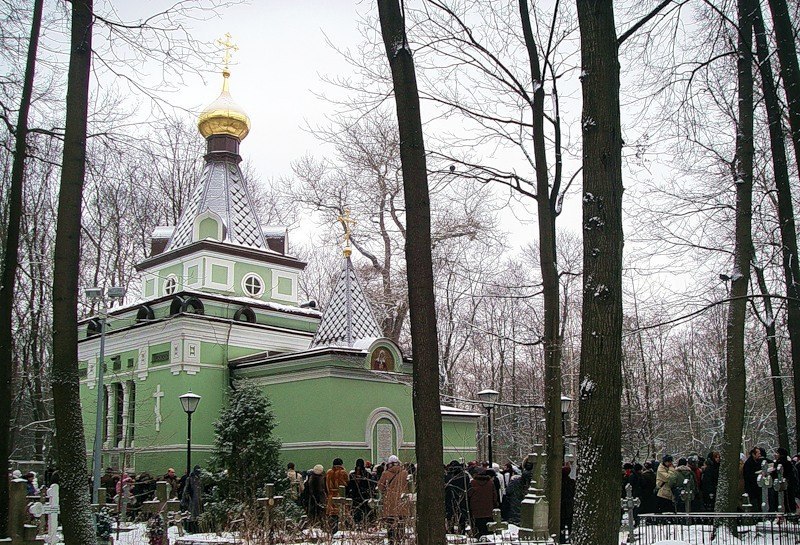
315 494
192 499
709 480
456 485
647 485
567 502
789 495
515 493
483 499
295 482
683 480
750 471
499 483
395 509
664 499
359 489
334 478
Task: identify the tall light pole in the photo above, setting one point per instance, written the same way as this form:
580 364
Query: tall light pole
566 403
189 401
488 399
96 294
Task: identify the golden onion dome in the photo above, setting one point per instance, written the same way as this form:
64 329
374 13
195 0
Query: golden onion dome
224 115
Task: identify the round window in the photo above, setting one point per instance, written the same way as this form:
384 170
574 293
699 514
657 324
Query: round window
170 284
253 285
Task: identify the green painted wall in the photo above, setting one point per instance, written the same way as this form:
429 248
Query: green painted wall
177 270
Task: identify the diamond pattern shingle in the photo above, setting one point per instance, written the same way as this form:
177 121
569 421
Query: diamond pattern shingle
348 317
221 189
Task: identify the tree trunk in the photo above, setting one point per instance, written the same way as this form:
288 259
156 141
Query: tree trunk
727 489
789 72
551 339
75 509
598 490
11 260
786 223
774 362
422 309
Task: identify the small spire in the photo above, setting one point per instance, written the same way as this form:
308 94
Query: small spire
347 222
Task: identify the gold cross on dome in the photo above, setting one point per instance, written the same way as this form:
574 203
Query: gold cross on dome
347 222
228 46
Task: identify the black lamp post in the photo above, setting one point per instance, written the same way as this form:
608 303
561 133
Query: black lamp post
566 403
488 399
189 401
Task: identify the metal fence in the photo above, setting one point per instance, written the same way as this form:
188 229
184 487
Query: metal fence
720 528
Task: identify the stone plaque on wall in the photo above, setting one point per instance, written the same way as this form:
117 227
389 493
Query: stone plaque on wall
385 440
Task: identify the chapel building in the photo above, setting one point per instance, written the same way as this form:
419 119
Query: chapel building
220 302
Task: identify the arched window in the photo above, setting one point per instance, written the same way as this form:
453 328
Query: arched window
253 285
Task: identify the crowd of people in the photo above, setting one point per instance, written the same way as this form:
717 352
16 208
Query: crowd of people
667 486
472 492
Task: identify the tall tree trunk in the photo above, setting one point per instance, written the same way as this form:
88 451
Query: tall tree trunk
75 509
774 362
785 220
597 493
727 490
787 54
551 339
11 260
424 343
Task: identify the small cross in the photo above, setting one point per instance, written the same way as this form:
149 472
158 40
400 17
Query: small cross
687 495
779 485
228 46
765 482
411 496
629 503
342 502
157 396
269 502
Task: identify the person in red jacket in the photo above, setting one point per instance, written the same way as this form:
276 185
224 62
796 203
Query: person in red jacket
483 499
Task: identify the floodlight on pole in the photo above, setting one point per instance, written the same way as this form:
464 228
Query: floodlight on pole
96 294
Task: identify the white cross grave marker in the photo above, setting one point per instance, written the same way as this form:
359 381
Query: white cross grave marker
158 395
51 509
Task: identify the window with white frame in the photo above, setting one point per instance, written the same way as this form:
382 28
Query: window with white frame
253 285
170 285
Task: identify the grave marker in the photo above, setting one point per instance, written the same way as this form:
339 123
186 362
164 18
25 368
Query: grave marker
629 504
268 503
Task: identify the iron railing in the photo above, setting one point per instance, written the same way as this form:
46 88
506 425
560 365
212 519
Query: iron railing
720 528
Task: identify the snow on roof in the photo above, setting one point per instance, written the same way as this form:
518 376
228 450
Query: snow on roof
163 231
455 411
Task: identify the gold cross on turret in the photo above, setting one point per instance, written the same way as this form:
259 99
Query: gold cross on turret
228 46
347 222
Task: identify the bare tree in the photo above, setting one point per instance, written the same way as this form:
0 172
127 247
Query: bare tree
597 491
419 265
727 489
11 259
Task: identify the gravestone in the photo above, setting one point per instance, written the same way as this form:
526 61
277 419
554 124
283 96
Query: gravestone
629 504
21 532
162 505
535 509
342 502
497 525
